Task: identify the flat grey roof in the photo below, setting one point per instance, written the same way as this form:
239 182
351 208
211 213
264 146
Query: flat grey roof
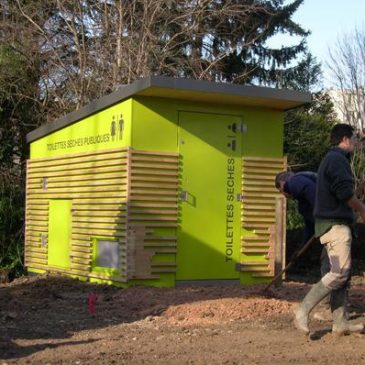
183 89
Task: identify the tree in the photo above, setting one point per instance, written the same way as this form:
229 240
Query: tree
57 55
16 105
89 48
306 133
347 65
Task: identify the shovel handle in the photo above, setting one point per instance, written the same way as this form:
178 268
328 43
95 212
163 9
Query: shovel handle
295 256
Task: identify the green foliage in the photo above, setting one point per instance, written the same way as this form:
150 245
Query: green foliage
11 225
293 219
306 141
18 113
306 133
244 38
55 57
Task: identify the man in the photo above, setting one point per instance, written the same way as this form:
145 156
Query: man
335 204
301 186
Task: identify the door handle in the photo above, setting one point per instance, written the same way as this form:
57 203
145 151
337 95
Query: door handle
184 195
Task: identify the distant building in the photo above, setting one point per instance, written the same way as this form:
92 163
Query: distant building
349 106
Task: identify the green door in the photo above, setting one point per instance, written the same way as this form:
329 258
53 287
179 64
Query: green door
59 231
208 235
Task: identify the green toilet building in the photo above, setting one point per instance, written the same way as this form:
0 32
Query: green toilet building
164 181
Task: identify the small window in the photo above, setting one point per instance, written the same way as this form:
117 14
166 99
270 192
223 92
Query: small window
107 254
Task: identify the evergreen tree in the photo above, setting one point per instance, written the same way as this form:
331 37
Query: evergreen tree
306 133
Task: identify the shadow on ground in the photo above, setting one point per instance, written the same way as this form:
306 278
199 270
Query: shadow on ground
47 312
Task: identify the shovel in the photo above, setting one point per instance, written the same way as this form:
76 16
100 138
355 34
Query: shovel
295 256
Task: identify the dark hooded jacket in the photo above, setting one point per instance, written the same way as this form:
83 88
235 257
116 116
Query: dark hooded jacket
334 188
302 187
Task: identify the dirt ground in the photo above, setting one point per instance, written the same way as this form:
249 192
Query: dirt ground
52 320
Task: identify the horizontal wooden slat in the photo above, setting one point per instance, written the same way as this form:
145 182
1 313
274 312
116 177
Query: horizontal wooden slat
71 194
259 177
263 275
81 254
248 207
258 170
153 198
247 220
135 218
157 225
137 204
259 195
78 250
33 229
87 164
254 225
246 250
135 191
256 244
30 262
83 172
120 156
163 179
254 263
258 189
104 202
157 185
150 172
259 214
98 232
254 269
77 190
37 222
255 238
266 159
80 260
78 184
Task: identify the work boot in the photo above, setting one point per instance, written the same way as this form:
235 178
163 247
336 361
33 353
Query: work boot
314 296
323 310
341 326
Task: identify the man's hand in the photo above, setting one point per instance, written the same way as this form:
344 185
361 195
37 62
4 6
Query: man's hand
358 207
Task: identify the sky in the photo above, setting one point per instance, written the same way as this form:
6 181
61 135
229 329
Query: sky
327 20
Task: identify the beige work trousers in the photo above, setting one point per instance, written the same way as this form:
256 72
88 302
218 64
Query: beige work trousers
338 245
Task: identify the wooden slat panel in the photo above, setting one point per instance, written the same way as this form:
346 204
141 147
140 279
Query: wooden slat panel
156 199
77 184
109 191
247 250
103 203
152 204
71 194
101 220
259 212
77 166
266 159
257 244
165 179
98 232
254 269
90 172
97 184
120 156
263 275
159 192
